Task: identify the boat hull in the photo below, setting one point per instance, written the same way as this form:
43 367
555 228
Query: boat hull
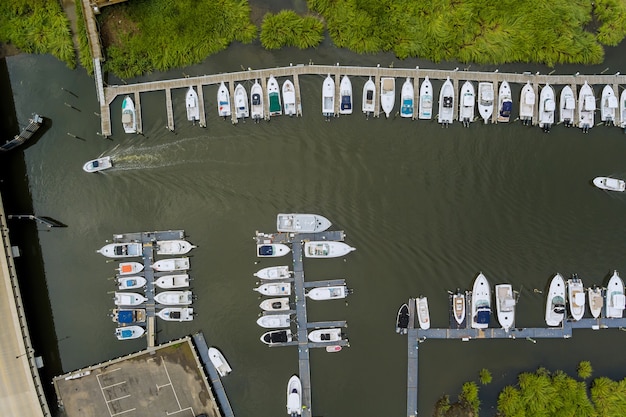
596 301
275 304
345 96
129 299
273 272
467 103
274 288
485 100
505 305
272 250
369 97
241 102
567 107
129 332
327 293
129 116
289 98
121 250
223 101
387 94
173 247
301 223
130 282
174 298
615 297
219 362
274 337
505 103
256 101
325 335
128 268
97 165
191 103
402 319
294 396
446 103
171 265
576 298
407 97
274 321
423 315
547 107
172 281
329 249
273 97
425 110
586 108
481 303
609 104
555 304
527 104
610 184
176 314
328 97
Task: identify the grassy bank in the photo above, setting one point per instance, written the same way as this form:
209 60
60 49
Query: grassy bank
84 55
37 26
289 29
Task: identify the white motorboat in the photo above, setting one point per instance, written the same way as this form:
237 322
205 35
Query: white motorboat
328 97
345 96
505 102
446 103
273 321
301 223
387 94
425 110
274 337
596 301
423 315
129 268
555 303
407 96
610 184
129 117
527 104
174 298
223 100
325 335
130 283
241 102
273 97
567 106
129 332
326 249
122 250
219 362
615 300
505 306
547 105
586 108
270 250
294 397
486 97
328 293
256 102
608 107
467 103
289 98
402 319
369 97
274 288
172 281
129 299
98 164
191 104
622 109
576 297
481 303
275 304
170 265
173 247
458 307
128 316
176 314
273 272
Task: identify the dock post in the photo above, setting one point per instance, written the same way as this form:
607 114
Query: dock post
577 112
416 93
618 117
496 103
138 112
266 100
170 110
296 86
377 92
536 105
337 92
201 105
233 110
455 106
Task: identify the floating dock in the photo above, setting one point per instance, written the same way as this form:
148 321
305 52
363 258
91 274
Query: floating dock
33 126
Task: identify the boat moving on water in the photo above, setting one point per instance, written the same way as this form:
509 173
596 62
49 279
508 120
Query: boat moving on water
99 164
555 304
301 223
610 184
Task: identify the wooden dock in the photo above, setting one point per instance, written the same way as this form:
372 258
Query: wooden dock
296 71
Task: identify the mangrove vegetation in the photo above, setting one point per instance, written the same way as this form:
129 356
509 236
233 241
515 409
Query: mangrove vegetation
289 29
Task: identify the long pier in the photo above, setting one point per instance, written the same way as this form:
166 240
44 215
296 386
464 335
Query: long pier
295 71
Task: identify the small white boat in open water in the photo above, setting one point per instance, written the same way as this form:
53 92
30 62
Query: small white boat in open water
191 104
301 223
610 184
326 249
98 164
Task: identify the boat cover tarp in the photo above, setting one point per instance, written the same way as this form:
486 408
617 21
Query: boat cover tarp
274 103
256 99
483 316
447 101
346 102
507 106
266 250
125 316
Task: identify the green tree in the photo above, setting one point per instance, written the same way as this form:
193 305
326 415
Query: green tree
584 369
485 376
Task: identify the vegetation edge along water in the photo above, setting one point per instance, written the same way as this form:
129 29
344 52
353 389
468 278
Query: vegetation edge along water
156 35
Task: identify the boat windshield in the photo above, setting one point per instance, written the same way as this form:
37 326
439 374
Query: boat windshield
266 250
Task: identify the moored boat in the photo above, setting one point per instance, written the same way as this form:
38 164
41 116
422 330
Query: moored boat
223 100
274 321
328 293
172 281
423 315
555 303
345 96
402 319
127 316
175 314
608 107
505 306
241 102
191 104
273 97
481 303
301 223
467 103
505 102
275 304
387 94
129 332
446 103
567 107
325 335
485 100
596 301
328 97
615 301
458 307
256 101
173 247
274 288
407 96
172 264
425 110
129 117
586 108
174 298
98 164
219 362
130 283
289 98
294 397
128 299
270 250
369 97
527 104
122 250
576 297
622 110
128 268
274 337
273 272
610 184
326 249
547 106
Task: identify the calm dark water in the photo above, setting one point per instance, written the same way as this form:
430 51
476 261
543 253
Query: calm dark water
427 209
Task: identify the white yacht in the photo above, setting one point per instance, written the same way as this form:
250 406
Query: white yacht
547 106
274 337
130 283
122 250
481 303
275 304
129 332
289 98
610 184
272 250
173 247
608 108
369 97
527 104
326 249
324 335
274 321
174 298
273 272
128 299
128 268
555 303
505 306
241 102
505 102
175 314
567 107
586 108
485 100
273 289
387 94
171 264
167 282
294 397
467 102
328 97
191 104
345 96
407 96
615 300
99 164
273 97
129 116
425 110
423 314
301 223
334 292
256 102
219 362
223 101
576 297
446 103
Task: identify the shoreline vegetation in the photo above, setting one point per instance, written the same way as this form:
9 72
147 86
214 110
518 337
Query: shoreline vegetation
141 36
544 393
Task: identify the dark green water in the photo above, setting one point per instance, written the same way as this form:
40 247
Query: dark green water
427 209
